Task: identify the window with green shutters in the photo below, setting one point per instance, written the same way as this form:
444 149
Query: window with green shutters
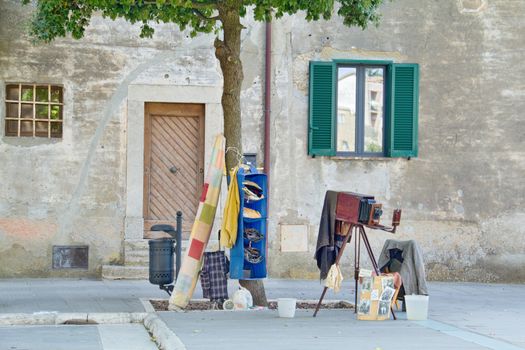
363 108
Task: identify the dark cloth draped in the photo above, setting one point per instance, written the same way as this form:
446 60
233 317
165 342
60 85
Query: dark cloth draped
327 249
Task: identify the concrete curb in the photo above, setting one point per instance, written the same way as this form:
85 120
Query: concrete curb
164 337
147 304
55 318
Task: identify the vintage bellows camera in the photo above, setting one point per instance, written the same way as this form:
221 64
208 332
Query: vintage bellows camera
362 209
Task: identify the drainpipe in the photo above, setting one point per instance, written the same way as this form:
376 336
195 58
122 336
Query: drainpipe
267 103
267 114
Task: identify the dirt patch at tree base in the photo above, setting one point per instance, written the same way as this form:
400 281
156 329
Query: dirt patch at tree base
204 305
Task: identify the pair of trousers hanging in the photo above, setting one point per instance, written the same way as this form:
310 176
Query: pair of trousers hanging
214 280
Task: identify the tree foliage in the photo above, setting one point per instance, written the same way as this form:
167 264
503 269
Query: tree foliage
57 18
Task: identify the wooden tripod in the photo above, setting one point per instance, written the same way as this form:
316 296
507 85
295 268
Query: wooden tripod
360 234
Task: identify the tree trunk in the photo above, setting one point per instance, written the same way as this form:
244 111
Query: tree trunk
228 52
256 288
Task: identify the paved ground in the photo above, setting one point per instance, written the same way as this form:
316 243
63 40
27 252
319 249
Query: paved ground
88 337
74 295
260 330
462 316
494 310
77 295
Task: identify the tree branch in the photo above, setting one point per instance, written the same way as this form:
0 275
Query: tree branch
201 15
194 4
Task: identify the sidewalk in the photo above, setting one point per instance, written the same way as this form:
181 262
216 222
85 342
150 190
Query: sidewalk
90 337
462 316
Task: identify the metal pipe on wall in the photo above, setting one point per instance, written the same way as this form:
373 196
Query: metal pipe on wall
267 113
267 103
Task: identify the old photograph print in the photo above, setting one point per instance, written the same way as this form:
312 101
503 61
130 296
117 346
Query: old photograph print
384 306
387 294
364 307
388 282
366 285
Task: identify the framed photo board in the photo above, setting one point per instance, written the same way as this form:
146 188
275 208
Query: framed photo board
375 296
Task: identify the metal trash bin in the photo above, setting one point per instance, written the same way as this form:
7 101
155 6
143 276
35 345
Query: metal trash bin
161 261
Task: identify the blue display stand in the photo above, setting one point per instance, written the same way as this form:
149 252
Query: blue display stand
240 268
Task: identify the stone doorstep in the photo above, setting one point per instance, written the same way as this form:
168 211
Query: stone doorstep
161 334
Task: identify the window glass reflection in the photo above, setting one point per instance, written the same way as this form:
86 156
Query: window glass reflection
373 123
346 109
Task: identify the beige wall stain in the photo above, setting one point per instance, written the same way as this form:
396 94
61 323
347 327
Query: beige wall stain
27 229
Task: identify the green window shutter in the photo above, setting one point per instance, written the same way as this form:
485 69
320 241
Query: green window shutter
321 126
404 105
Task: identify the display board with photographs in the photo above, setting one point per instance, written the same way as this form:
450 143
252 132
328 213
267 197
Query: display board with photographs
375 296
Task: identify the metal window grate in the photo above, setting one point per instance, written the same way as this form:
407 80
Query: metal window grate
34 110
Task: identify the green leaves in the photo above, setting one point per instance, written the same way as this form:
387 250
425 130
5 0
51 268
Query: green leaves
57 18
359 12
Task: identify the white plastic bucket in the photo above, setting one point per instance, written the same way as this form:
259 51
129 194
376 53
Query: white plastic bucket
286 307
417 307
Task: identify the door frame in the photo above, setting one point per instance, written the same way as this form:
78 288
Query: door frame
172 110
138 96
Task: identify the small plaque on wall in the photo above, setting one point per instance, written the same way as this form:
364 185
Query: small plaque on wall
70 257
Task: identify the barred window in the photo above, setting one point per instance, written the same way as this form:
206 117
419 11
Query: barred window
34 110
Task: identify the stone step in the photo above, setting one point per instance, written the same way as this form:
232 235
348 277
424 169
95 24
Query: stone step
141 247
136 254
136 245
137 262
136 258
119 272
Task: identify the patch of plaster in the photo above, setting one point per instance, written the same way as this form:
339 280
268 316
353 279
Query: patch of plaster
301 62
111 109
252 118
25 229
471 6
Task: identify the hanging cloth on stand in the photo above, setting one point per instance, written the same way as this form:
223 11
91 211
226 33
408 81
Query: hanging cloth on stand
230 216
214 279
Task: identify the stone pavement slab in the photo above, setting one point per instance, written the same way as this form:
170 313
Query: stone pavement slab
50 338
494 310
74 295
85 295
125 337
86 337
331 329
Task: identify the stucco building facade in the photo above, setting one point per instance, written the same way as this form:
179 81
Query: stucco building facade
462 196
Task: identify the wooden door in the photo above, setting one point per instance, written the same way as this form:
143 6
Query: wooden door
173 164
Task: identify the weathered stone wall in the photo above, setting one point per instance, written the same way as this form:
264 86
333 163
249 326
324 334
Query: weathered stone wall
462 197
72 191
